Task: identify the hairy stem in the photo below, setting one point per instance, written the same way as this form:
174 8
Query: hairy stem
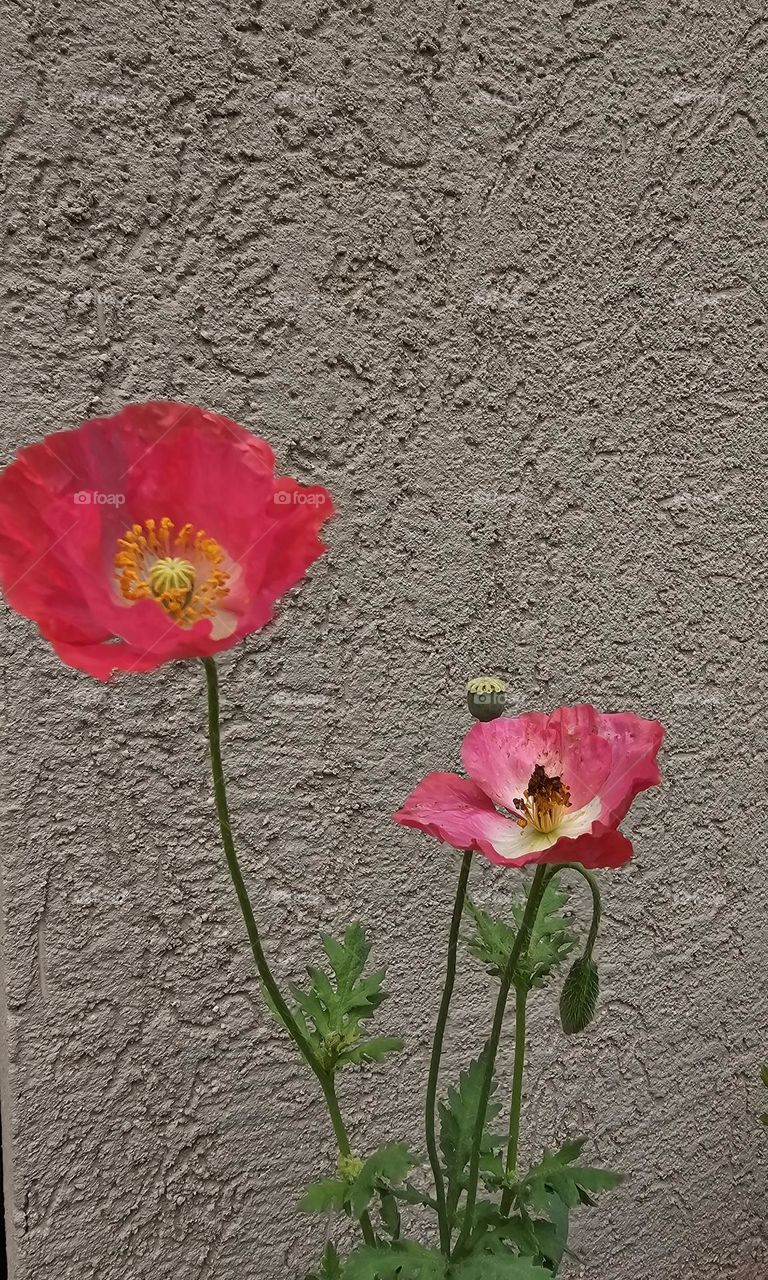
265 973
521 1003
597 906
443 1216
521 946
520 1014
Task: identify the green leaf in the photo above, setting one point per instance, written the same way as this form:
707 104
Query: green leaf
387 1167
492 940
330 1267
371 1050
458 1117
348 957
401 1261
324 1196
552 1232
578 1000
332 1009
552 939
408 1194
498 1266
531 1237
557 1174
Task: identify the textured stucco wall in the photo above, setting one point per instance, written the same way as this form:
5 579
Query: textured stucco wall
497 274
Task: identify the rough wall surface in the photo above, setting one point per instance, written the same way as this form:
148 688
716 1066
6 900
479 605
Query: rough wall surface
497 274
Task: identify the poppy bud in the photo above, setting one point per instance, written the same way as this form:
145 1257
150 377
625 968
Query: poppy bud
579 996
486 697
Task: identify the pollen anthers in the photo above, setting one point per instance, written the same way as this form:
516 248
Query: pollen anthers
544 802
182 571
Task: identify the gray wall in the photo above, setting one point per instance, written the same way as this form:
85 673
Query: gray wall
497 274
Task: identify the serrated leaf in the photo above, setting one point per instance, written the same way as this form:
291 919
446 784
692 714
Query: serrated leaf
409 1194
578 999
491 941
552 1236
494 1230
276 1014
316 1015
549 1233
458 1117
347 958
498 1266
386 1168
552 938
330 1266
371 1050
556 1174
400 1261
324 1196
331 1010
536 1238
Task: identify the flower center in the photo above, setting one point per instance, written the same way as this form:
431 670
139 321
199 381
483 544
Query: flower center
544 802
170 576
181 571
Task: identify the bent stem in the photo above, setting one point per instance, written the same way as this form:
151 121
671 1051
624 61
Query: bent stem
597 905
325 1079
521 946
443 1216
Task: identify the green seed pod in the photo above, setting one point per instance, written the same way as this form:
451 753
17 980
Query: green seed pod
578 1000
486 697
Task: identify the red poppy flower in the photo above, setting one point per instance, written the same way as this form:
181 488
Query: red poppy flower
563 783
159 533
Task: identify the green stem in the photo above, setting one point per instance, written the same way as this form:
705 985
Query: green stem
334 1111
521 945
521 1002
520 1017
597 906
265 973
521 1009
328 1085
443 1215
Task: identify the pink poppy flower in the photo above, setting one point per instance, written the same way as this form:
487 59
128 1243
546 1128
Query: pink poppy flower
159 533
542 788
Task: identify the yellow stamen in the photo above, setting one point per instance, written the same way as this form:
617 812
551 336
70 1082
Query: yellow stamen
544 802
189 586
